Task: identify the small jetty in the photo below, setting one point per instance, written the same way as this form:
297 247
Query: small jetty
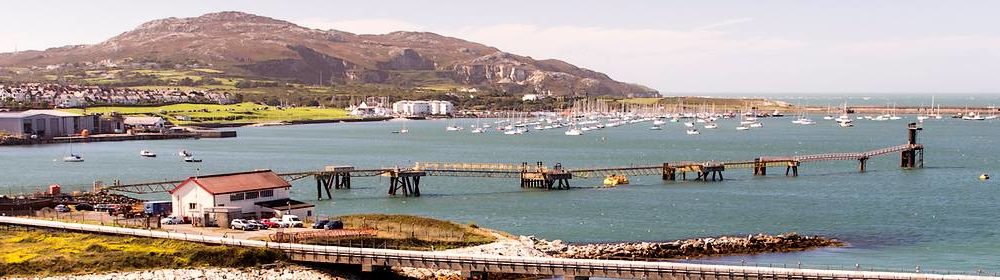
406 181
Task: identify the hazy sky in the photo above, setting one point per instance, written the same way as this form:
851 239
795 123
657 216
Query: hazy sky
674 46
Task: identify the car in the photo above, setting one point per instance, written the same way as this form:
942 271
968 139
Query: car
292 221
256 224
62 208
240 224
278 223
268 223
319 224
335 224
84 207
171 220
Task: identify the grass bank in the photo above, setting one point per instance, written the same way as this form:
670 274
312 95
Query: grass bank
411 233
193 114
41 253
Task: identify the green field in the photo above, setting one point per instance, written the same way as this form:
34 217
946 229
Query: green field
233 113
42 253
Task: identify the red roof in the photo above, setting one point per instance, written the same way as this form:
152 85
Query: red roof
237 182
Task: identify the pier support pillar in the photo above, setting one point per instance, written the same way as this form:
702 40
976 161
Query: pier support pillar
792 169
573 277
863 164
669 173
759 168
406 181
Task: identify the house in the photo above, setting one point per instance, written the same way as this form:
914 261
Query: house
215 199
145 124
44 123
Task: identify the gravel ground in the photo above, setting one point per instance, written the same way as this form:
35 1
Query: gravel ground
292 272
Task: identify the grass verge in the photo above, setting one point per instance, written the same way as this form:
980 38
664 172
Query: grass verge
42 253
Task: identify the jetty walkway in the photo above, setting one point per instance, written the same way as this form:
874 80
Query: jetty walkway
406 181
479 266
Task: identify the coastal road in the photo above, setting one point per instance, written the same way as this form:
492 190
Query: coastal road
477 265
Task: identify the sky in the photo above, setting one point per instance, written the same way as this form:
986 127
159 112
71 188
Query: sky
824 47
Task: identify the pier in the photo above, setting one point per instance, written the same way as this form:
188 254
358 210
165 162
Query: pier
405 181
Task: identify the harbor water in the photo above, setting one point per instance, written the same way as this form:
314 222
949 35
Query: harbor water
941 217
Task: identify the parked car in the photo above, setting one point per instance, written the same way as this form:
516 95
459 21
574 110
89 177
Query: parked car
319 224
240 224
171 220
84 207
292 221
62 208
335 224
269 224
257 225
279 222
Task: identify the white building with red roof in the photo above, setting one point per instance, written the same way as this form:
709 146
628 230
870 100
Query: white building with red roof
256 194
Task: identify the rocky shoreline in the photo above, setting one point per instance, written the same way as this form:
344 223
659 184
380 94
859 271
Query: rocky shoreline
688 248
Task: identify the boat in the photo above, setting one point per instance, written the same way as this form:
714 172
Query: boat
756 125
453 128
689 124
659 122
615 180
72 158
574 132
693 132
184 153
191 159
846 124
478 130
147 153
742 127
711 125
655 127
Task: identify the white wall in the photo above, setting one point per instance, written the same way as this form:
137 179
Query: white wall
190 193
248 204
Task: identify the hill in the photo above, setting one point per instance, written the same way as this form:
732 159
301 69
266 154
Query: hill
251 47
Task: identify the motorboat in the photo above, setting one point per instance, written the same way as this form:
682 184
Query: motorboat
756 125
453 128
478 130
574 132
693 132
689 124
72 158
659 122
615 180
147 153
191 159
711 125
655 127
742 127
184 153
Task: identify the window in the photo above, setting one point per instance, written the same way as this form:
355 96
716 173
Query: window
192 205
252 195
267 193
236 197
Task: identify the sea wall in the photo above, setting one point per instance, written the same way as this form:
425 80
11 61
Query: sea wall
688 248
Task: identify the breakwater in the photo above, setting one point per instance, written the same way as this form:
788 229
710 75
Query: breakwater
687 248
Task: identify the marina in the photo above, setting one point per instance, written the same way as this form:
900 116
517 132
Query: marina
831 207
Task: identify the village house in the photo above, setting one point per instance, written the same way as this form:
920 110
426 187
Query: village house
216 199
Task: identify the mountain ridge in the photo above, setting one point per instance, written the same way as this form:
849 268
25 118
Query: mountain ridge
258 46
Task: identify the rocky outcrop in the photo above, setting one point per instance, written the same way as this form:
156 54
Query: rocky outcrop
689 248
406 59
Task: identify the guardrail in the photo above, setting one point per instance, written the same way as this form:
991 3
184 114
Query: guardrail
507 264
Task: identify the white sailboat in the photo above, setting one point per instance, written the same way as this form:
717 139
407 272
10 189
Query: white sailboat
693 132
711 125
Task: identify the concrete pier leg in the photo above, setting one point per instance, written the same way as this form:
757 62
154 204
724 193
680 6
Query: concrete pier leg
572 277
478 275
